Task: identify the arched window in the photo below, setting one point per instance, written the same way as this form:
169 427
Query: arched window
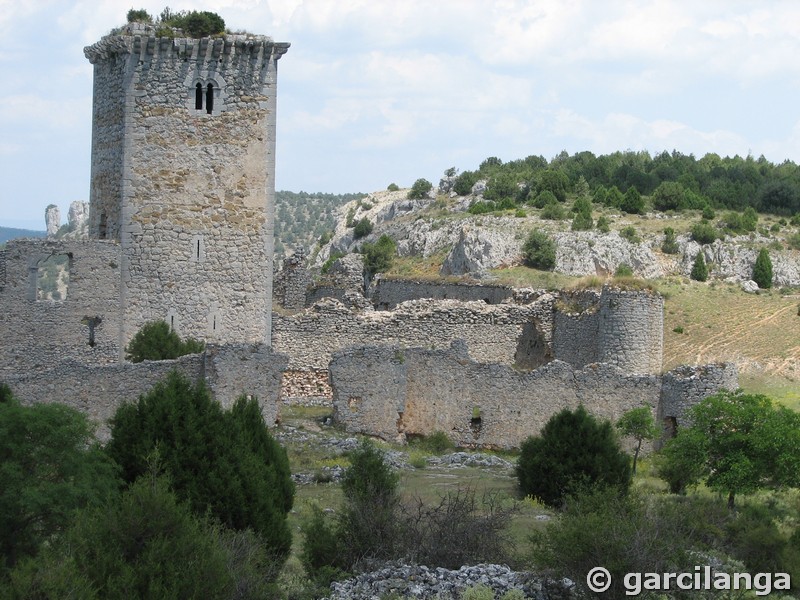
209 98
198 96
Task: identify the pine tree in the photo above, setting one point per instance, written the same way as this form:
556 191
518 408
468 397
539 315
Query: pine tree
762 271
699 269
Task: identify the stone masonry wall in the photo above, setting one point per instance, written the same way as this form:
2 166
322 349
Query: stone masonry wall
685 386
492 332
98 390
388 293
197 180
291 283
2 269
396 392
38 333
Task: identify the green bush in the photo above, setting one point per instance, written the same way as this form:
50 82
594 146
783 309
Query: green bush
632 202
436 443
420 189
554 212
670 244
139 16
326 266
708 213
156 341
603 224
669 195
362 228
321 554
478 592
794 241
582 208
479 207
629 233
699 268
223 463
545 198
539 251
464 182
623 270
762 270
574 450
703 232
378 257
197 24
393 187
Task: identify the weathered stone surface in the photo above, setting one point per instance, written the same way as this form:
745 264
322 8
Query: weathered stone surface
479 249
78 221
749 286
52 219
589 253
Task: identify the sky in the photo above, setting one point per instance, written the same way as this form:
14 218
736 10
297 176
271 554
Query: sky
374 92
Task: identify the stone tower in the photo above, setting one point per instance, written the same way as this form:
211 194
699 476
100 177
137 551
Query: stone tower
183 163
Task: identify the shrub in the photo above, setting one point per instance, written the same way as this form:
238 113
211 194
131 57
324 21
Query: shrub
670 244
669 195
583 214
629 233
320 555
326 266
362 228
196 24
762 270
638 423
545 198
703 232
749 219
632 202
478 592
378 257
794 241
553 212
520 213
708 213
139 16
603 224
224 463
480 207
393 187
623 270
539 251
464 182
156 341
437 443
420 189
699 268
553 464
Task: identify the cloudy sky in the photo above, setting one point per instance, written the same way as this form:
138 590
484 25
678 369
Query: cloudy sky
380 91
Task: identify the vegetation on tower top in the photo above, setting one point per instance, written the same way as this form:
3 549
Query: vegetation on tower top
197 24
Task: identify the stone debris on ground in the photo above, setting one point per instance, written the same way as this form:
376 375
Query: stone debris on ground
418 581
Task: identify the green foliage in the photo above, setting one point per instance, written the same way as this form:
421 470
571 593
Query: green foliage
623 270
629 233
639 424
699 268
464 182
573 450
362 228
708 213
197 24
436 443
703 232
794 241
544 198
603 224
583 214
500 187
553 212
539 251
378 257
554 181
225 463
669 195
139 16
762 270
393 187
50 467
368 476
321 549
478 592
326 266
479 207
632 202
420 189
744 442
670 244
156 341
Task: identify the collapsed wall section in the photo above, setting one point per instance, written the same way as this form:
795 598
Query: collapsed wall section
395 392
492 333
387 294
687 385
61 300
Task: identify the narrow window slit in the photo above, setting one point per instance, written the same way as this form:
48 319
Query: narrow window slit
209 98
198 97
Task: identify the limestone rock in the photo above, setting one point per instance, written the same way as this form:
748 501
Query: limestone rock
750 286
590 253
78 220
479 187
52 219
479 249
446 184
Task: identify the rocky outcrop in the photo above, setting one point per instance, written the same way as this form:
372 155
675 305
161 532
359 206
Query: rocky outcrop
480 249
590 253
52 219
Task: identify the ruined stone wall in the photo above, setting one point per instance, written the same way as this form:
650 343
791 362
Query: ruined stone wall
575 327
291 283
197 185
685 386
396 392
306 387
493 333
98 390
38 333
388 293
2 269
